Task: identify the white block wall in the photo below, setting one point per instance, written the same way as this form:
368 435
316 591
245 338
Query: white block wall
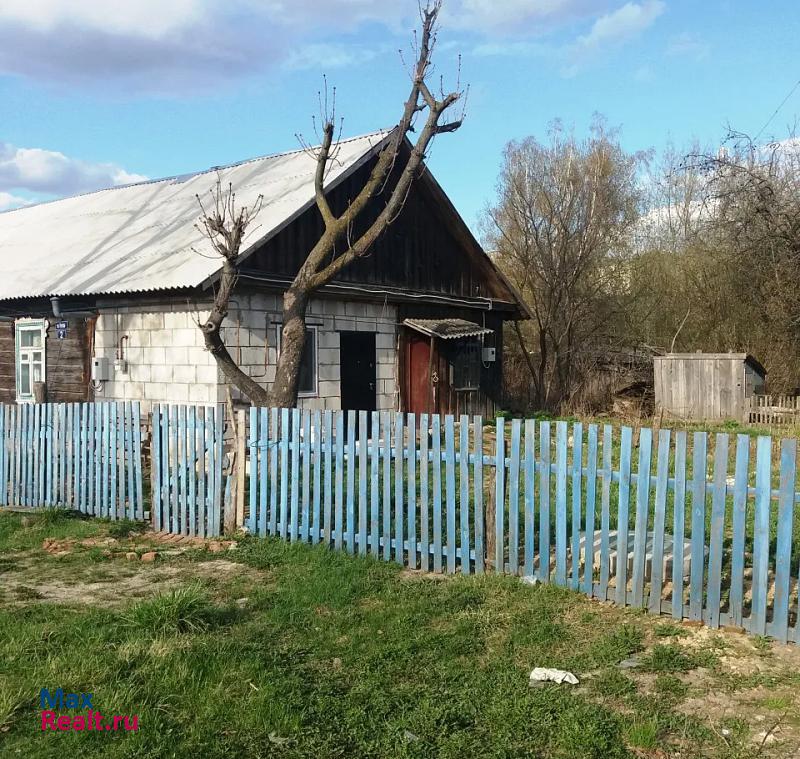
167 362
251 329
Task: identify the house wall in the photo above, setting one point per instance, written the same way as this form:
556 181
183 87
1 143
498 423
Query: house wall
7 363
252 328
166 359
167 362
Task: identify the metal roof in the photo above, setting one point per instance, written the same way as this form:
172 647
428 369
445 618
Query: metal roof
448 329
144 236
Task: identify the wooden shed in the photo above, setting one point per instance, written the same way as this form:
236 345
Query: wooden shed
706 385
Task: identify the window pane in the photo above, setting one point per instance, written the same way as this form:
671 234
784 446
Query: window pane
30 338
24 379
37 372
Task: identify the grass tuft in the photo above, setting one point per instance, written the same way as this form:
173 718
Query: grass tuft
187 609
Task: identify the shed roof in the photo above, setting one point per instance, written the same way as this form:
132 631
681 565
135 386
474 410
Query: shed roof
699 356
143 237
448 329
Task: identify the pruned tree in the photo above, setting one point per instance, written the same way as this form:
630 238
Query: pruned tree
346 236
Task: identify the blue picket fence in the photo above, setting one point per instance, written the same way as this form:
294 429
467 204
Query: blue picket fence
696 526
81 456
187 469
693 525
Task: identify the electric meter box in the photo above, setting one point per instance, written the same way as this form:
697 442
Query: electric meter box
489 355
101 369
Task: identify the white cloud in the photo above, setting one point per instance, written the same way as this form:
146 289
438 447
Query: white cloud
324 56
7 201
612 29
52 173
688 45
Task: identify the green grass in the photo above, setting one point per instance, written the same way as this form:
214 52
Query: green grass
307 652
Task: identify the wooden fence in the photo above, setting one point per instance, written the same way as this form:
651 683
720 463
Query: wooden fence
700 527
82 456
774 409
695 526
187 469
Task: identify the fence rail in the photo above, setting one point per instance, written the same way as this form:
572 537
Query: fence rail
82 456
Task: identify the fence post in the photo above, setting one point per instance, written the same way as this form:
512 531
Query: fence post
489 521
235 518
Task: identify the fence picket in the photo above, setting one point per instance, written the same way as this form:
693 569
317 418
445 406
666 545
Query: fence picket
398 488
577 498
714 585
679 525
513 498
544 502
386 453
436 462
659 522
758 616
350 502
265 484
621 575
375 494
477 487
362 483
275 422
424 512
411 487
328 422
340 445
463 504
642 516
500 496
294 517
591 496
783 545
450 490
316 528
698 537
305 526
739 519
561 503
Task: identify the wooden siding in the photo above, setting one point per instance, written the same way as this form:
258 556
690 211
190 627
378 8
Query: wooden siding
68 362
422 250
7 376
702 386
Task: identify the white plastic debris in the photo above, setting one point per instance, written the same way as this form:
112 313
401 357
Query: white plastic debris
548 675
530 580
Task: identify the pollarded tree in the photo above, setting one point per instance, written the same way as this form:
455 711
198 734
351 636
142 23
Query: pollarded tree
398 164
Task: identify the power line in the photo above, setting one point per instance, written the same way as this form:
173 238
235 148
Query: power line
775 113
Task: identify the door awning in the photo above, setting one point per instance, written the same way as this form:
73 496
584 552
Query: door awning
447 329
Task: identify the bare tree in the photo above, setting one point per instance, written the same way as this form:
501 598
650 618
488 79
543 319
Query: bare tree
340 245
559 227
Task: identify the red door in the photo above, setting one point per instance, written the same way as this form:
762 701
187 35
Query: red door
419 395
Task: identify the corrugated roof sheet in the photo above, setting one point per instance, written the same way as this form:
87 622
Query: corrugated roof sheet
143 236
448 329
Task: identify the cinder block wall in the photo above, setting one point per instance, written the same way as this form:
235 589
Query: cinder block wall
251 334
167 362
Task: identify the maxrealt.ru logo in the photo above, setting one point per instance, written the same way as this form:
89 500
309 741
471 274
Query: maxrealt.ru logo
90 720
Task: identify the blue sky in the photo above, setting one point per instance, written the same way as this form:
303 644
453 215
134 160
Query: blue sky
92 98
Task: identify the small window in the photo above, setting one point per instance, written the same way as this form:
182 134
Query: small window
308 364
465 359
30 358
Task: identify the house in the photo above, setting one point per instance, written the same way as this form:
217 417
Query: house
707 385
101 295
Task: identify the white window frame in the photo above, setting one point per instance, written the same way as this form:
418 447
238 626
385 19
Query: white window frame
28 325
309 328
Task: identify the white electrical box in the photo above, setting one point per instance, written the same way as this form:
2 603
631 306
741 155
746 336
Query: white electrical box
489 355
101 369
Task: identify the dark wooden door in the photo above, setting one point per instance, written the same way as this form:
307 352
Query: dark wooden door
357 360
419 396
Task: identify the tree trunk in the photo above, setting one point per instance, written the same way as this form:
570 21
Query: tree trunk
293 338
